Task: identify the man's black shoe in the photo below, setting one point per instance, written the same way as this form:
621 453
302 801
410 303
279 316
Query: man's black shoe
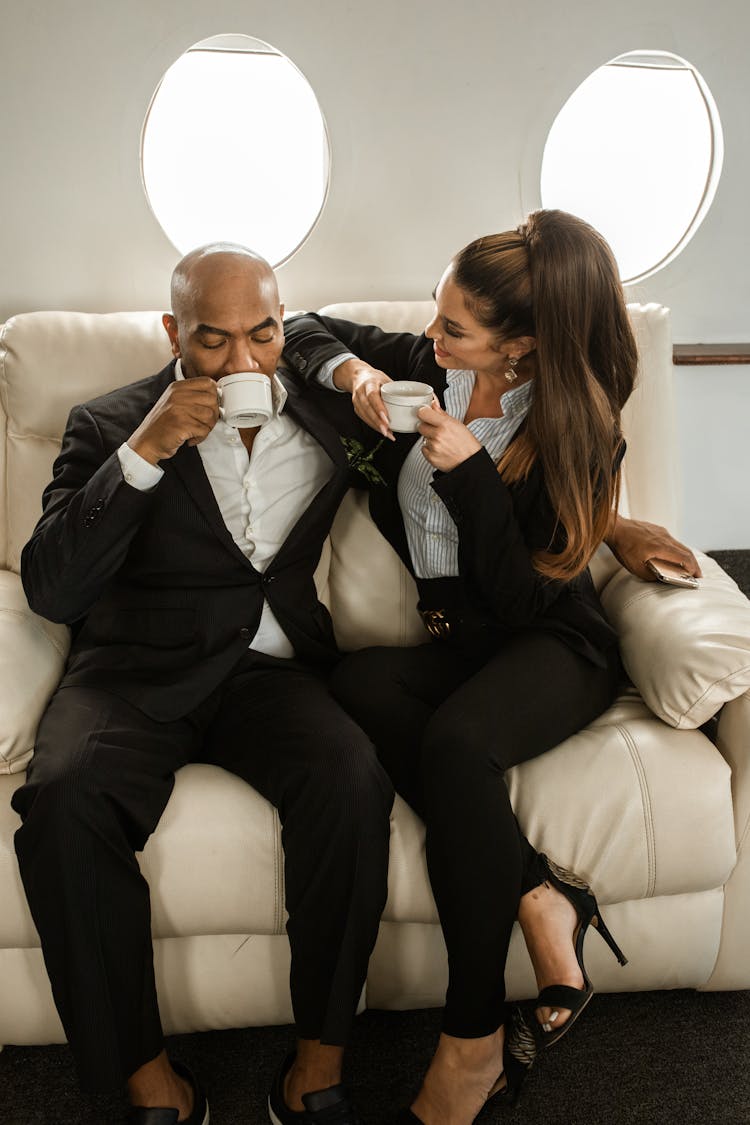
142 1115
322 1107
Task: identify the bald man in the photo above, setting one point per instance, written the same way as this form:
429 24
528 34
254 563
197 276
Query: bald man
182 552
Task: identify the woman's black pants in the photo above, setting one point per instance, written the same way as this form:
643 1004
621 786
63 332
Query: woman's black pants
101 775
447 723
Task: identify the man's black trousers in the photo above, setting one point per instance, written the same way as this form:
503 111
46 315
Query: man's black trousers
101 775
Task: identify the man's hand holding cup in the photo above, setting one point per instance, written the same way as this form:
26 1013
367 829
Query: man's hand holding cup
186 412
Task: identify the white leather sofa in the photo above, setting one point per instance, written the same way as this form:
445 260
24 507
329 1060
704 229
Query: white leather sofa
642 802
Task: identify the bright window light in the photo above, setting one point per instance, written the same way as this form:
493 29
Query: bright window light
216 156
637 151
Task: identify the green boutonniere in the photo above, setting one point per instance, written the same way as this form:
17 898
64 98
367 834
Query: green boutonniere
361 459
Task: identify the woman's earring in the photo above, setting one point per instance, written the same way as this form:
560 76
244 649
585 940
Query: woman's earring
511 374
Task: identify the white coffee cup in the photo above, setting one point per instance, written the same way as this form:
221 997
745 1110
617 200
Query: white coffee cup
245 398
402 401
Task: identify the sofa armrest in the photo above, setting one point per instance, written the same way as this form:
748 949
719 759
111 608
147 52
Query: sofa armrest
687 651
733 741
32 658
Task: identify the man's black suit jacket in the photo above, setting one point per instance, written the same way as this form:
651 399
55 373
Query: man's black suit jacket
499 526
161 600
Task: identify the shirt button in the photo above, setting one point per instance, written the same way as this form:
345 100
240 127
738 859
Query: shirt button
248 532
245 634
234 440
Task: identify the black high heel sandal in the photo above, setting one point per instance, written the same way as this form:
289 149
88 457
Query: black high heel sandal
519 1052
580 895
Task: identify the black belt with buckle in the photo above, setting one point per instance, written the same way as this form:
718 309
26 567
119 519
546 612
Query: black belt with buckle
449 615
436 623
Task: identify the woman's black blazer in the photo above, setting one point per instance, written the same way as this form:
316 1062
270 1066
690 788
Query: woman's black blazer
499 525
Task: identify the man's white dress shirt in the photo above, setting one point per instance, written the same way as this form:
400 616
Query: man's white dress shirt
260 496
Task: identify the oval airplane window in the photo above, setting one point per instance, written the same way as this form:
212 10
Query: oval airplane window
215 154
637 151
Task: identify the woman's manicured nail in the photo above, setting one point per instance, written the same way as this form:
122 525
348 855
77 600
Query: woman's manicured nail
553 1017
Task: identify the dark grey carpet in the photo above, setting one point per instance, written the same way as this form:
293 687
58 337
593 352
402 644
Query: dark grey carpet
736 563
656 1058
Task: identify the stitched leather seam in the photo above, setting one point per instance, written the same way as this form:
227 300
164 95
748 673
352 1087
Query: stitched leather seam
648 817
714 684
744 834
635 598
15 762
3 380
9 756
25 617
743 837
278 876
37 437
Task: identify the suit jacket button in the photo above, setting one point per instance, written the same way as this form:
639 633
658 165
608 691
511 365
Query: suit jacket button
245 634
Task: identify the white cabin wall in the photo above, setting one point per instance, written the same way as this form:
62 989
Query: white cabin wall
437 114
713 427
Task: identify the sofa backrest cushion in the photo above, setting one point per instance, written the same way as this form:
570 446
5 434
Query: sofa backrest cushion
49 362
650 484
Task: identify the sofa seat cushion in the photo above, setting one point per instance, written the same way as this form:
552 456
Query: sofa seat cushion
32 657
214 865
638 809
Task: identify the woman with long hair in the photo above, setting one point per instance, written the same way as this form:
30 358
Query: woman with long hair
496 507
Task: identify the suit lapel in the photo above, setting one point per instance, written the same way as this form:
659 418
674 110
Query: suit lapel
311 418
188 465
324 504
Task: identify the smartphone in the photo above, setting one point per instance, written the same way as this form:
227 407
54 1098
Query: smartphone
672 573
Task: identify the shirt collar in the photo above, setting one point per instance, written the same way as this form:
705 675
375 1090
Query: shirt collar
514 401
517 400
278 390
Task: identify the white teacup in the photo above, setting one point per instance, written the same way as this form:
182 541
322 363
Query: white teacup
402 401
245 398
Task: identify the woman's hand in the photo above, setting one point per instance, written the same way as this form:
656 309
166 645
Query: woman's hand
446 441
363 383
634 542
